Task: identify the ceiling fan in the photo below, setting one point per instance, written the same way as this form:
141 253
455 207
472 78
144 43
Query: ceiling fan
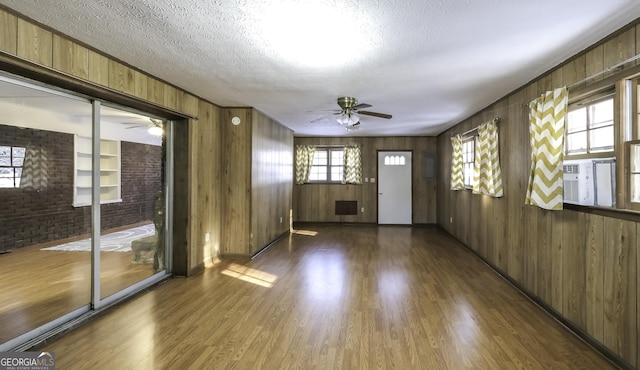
154 127
349 114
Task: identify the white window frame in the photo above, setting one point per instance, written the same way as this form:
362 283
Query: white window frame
13 166
329 166
588 104
468 160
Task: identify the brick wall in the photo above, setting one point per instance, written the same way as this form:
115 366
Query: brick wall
34 216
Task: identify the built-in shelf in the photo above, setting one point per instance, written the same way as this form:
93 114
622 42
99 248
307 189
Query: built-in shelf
109 172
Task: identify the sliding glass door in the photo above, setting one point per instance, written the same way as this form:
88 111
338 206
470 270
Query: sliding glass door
83 206
132 210
43 273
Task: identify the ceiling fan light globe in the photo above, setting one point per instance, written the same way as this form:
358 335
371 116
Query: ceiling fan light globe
155 131
353 119
343 119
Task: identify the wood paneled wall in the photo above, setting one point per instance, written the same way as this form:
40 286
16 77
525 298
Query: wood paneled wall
315 202
581 265
206 194
258 157
236 156
208 177
271 184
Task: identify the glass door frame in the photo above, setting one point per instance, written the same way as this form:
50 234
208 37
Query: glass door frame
97 302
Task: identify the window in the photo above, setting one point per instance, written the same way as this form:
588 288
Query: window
590 126
394 160
328 164
468 160
11 162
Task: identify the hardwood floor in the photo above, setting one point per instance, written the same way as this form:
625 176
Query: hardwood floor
40 286
351 297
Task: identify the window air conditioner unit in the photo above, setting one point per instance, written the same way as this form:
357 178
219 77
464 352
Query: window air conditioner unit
578 181
590 182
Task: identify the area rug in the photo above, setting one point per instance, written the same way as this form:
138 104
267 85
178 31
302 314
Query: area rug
119 241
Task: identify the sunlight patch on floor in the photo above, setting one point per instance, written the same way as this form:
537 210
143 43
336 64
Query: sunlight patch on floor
304 232
250 275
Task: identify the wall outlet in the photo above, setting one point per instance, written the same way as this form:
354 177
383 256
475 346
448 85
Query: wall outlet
373 179
280 219
207 236
450 220
362 209
366 179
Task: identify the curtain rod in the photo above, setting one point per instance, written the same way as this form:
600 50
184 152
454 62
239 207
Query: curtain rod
609 69
495 120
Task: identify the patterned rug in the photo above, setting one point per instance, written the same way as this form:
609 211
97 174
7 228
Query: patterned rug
119 241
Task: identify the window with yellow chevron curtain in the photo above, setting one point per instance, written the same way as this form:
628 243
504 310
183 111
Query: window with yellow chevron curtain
352 165
304 161
457 175
547 116
487 176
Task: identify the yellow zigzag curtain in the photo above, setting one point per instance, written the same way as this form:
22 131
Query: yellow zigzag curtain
304 161
487 176
457 176
352 170
546 132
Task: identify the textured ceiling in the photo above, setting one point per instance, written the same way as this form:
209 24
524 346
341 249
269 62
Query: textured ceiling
429 63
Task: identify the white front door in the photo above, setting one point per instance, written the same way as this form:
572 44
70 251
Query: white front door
394 188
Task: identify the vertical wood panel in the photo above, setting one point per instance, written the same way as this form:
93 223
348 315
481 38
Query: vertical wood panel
620 292
514 134
70 57
170 97
545 249
208 182
189 104
35 43
574 71
595 277
637 28
140 83
8 32
557 272
121 77
574 265
619 49
595 63
98 68
155 91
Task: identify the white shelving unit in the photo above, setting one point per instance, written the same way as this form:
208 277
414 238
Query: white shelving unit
109 172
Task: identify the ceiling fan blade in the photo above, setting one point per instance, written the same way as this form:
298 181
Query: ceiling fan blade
362 105
325 117
375 114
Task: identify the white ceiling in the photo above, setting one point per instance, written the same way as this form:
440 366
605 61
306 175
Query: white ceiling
429 63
